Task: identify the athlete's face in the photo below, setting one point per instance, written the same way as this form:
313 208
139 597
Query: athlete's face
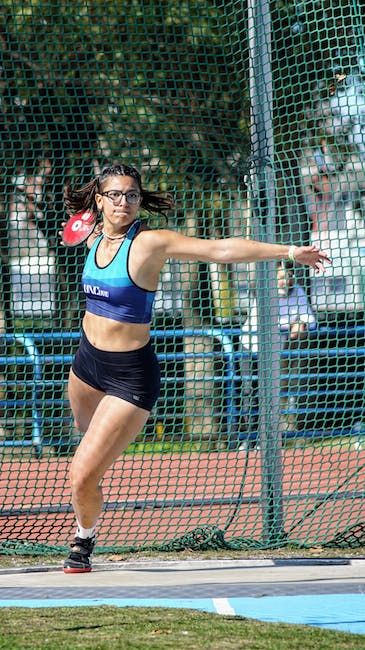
119 200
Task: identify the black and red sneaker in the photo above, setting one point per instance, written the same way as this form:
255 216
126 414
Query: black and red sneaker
79 557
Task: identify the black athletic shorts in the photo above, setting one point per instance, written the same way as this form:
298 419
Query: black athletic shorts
133 375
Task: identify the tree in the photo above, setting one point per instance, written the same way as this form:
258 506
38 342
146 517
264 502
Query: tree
161 87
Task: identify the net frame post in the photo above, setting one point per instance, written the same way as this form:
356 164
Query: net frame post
264 212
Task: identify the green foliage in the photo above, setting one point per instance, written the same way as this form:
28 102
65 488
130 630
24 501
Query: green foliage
156 84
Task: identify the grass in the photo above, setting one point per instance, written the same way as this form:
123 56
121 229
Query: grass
176 443
112 628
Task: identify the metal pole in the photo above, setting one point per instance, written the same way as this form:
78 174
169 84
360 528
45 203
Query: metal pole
264 217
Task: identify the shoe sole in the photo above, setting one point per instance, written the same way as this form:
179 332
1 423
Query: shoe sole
73 570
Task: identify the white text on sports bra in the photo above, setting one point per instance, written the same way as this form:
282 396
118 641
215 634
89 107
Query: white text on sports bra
96 291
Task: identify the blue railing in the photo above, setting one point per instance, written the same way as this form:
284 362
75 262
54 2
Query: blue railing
231 377
328 398
37 361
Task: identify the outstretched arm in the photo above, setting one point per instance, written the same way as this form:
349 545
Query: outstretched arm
233 250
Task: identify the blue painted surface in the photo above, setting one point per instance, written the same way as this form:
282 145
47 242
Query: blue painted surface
341 612
204 604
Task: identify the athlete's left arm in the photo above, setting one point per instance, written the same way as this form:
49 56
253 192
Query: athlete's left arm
168 244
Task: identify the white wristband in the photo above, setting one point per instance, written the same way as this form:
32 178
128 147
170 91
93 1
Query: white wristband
291 252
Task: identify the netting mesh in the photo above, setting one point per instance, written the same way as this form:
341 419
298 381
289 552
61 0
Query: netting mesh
253 115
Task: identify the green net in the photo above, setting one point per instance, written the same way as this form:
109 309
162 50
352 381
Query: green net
253 116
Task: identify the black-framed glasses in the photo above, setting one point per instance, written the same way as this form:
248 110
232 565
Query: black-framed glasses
116 196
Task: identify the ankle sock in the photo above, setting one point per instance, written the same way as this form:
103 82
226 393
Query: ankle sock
84 533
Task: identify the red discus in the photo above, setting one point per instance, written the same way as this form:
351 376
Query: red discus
78 228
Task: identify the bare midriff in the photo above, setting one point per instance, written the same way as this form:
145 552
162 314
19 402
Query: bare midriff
112 336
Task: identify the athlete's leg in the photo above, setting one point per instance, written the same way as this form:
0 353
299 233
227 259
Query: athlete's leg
109 424
84 399
114 425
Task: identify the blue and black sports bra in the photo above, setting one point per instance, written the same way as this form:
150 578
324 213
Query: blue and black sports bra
109 290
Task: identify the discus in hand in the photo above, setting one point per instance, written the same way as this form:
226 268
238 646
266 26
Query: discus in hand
78 228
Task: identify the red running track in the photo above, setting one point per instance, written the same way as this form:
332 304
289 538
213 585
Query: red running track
158 498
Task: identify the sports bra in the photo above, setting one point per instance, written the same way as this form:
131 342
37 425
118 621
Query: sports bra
110 291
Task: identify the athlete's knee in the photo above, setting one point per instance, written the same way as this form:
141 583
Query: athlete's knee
79 424
82 479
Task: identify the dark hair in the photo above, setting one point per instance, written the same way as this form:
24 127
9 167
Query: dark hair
83 198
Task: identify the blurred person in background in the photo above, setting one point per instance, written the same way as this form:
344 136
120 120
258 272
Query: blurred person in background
296 318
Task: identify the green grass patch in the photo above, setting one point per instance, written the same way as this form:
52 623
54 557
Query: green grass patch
137 628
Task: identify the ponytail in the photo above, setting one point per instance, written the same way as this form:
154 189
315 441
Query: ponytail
83 198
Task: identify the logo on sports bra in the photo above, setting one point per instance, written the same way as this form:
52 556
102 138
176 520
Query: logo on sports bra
95 290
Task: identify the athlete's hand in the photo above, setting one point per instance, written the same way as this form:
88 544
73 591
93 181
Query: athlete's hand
60 232
312 256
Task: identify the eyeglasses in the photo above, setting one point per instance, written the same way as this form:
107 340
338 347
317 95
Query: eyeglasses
116 196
